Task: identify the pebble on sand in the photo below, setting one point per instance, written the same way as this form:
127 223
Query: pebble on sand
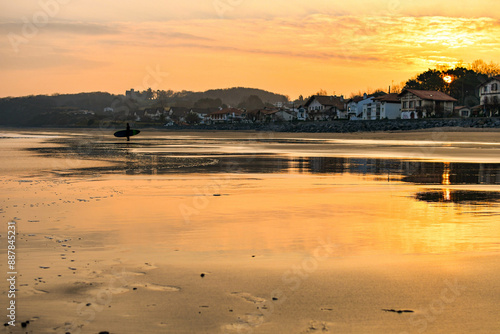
202 275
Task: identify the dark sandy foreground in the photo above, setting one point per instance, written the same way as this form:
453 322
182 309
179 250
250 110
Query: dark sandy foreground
269 253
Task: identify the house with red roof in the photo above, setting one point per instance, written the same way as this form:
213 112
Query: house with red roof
417 103
322 107
226 115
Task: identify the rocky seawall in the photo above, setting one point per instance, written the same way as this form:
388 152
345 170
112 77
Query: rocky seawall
344 126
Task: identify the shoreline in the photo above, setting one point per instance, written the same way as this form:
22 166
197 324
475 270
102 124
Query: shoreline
335 126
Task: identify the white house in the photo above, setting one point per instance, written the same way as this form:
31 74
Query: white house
226 115
300 113
203 113
489 90
462 111
387 106
322 107
355 106
280 115
489 95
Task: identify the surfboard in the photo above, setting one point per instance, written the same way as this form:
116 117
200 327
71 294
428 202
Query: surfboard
123 133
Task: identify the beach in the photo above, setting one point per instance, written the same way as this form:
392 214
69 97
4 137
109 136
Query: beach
252 232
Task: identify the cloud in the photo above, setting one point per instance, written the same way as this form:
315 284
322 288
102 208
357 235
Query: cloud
326 45
349 40
79 28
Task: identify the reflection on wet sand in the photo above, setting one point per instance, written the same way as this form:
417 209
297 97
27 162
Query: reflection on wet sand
123 159
459 196
392 232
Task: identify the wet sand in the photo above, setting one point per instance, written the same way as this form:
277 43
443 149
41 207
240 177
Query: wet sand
185 246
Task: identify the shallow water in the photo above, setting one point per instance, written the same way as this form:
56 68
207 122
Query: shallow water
217 203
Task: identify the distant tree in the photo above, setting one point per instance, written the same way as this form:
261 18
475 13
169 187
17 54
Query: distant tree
208 103
162 98
463 86
251 103
322 92
480 66
397 88
192 118
148 94
429 80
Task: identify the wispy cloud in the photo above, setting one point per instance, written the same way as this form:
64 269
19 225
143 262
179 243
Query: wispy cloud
334 43
80 28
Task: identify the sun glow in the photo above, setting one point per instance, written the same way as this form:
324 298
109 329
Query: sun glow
448 79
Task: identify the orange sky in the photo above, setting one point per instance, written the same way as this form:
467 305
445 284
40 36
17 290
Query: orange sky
288 47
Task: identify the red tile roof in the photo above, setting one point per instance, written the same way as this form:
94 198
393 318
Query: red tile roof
391 98
264 111
328 101
490 79
431 95
356 99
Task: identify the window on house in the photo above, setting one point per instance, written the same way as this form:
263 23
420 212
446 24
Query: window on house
494 87
411 104
405 104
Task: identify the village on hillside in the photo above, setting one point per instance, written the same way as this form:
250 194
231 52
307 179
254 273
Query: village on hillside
408 104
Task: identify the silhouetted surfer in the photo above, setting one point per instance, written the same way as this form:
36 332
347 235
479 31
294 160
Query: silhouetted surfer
128 132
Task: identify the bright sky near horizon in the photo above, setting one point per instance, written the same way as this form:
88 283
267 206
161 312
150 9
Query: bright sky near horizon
289 47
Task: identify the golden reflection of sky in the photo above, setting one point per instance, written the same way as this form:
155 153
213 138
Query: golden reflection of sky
281 214
278 213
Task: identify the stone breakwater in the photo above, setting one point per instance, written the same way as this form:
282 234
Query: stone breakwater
344 126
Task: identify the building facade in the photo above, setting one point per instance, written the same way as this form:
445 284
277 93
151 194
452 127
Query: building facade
323 107
383 107
425 103
489 96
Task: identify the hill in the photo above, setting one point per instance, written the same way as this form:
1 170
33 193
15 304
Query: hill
84 109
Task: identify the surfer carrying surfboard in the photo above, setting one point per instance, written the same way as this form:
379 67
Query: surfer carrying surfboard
128 132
